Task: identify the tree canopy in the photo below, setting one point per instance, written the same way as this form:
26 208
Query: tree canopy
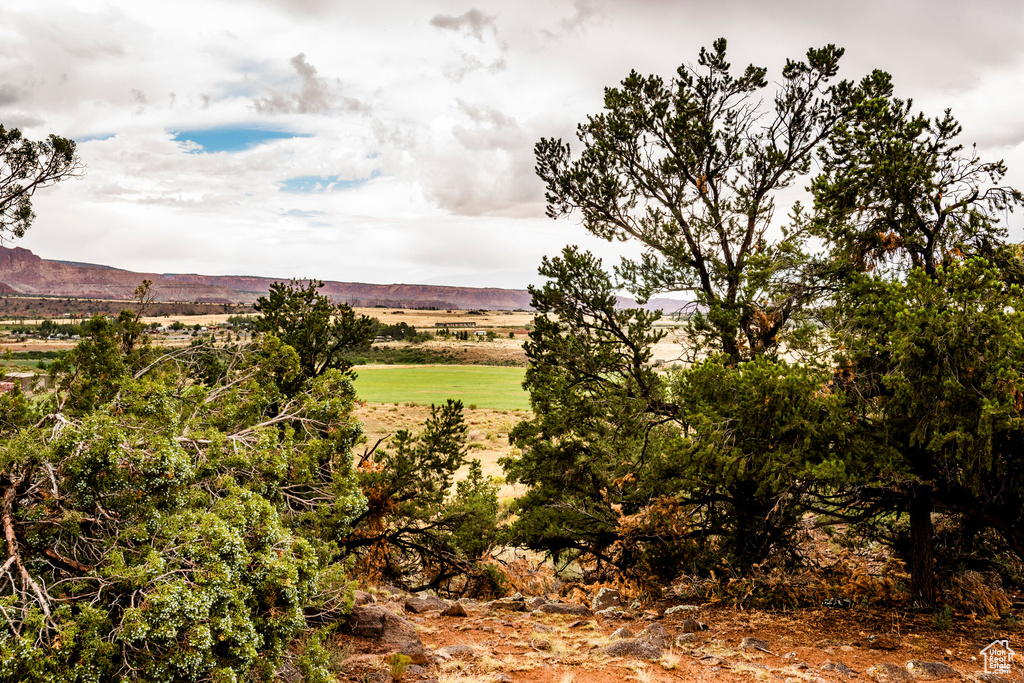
319 330
27 166
859 359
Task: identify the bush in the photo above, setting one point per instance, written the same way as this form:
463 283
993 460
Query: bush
179 530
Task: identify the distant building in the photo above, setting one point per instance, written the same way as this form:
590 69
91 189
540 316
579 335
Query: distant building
26 380
454 324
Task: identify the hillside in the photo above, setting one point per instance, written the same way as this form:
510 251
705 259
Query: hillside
23 272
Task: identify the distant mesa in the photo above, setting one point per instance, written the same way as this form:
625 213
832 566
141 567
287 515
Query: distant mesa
22 272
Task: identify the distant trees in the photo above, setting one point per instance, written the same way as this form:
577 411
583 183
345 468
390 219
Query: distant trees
26 166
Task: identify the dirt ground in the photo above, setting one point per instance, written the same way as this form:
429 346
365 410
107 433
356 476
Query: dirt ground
808 645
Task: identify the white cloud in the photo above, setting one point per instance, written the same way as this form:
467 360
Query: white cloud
439 102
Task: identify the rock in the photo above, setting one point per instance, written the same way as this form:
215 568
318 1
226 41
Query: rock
361 598
838 667
541 628
454 610
416 670
688 609
750 643
502 678
459 649
989 677
395 590
605 598
652 615
378 677
539 644
656 635
564 608
931 671
882 642
427 604
692 626
633 647
611 613
386 627
684 639
887 672
507 605
534 603
620 633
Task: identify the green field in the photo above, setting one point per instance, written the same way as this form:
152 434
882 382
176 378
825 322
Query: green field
486 387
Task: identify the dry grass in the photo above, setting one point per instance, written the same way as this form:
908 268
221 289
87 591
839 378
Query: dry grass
487 436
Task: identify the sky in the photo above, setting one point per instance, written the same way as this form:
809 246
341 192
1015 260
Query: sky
392 141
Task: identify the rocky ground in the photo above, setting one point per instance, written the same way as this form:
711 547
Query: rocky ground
535 639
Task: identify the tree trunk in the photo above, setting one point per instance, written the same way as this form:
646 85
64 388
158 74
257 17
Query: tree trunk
922 559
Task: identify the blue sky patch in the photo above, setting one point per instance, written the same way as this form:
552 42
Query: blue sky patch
232 139
93 138
323 183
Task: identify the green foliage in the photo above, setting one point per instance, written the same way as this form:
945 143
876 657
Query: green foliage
178 530
725 452
915 291
688 169
942 620
16 411
399 664
401 331
319 330
26 166
414 530
898 189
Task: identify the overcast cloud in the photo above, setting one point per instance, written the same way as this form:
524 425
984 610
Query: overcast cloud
392 141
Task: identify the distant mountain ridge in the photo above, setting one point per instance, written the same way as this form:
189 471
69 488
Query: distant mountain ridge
23 272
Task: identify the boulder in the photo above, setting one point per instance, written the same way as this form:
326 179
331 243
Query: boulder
887 672
564 608
882 642
656 635
388 629
633 647
991 677
686 609
683 640
426 604
619 634
454 610
605 598
931 671
751 643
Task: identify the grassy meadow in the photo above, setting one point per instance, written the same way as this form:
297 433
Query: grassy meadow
497 388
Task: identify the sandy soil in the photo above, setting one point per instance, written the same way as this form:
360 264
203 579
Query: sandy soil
543 648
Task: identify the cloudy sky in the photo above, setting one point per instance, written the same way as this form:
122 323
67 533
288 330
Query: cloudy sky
392 141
